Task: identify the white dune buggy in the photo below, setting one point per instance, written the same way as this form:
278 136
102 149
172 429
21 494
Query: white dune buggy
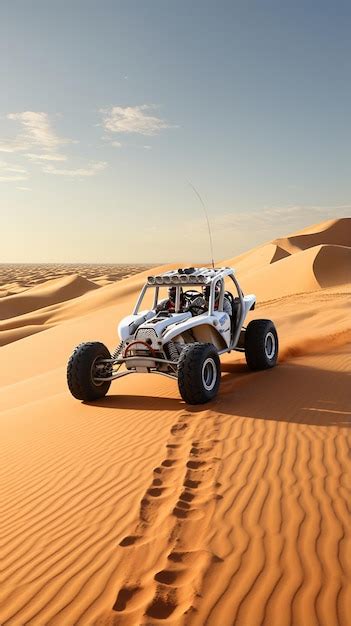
182 338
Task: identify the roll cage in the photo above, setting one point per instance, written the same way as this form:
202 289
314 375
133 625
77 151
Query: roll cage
199 277
180 279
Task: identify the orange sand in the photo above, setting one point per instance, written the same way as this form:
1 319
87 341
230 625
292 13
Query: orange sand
138 509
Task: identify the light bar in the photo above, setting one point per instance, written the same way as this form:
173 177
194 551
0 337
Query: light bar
175 278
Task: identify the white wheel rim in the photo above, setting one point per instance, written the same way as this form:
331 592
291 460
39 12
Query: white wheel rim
269 345
209 374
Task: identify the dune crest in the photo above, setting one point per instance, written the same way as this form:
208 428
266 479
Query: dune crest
50 292
318 257
305 271
334 232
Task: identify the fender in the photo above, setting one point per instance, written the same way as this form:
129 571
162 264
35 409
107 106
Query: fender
218 322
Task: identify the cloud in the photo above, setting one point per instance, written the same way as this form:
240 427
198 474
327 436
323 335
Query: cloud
91 170
135 119
45 157
235 232
10 172
36 132
37 129
24 188
9 179
8 167
42 144
13 145
279 218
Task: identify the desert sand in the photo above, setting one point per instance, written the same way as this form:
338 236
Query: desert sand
139 509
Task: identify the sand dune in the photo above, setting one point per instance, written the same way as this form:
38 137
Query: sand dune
45 294
138 509
317 257
332 266
44 316
15 333
333 232
306 271
20 276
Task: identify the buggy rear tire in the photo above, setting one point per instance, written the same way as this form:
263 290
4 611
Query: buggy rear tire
80 371
261 345
199 373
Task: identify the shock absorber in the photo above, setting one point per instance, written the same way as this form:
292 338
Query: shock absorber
117 351
173 352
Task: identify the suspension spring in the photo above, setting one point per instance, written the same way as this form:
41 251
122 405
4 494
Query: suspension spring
117 351
173 351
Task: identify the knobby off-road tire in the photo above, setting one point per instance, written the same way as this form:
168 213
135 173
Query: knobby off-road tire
199 373
80 371
261 345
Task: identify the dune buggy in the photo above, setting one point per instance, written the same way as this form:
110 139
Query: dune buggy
181 338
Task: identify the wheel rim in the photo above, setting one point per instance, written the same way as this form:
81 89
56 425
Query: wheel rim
209 374
269 345
94 372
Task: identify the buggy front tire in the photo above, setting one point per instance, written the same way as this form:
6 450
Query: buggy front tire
81 371
199 373
261 345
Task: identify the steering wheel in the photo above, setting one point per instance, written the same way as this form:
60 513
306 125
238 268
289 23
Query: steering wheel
189 296
191 293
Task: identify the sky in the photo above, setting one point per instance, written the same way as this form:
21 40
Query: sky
111 111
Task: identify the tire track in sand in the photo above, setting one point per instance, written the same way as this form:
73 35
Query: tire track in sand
165 556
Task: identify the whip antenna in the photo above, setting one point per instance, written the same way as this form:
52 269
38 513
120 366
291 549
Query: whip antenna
207 220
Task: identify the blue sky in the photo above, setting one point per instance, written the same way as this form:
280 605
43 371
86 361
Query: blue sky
108 108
